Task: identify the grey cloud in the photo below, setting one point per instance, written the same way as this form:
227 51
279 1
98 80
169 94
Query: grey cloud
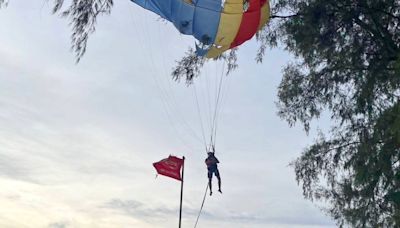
283 220
11 168
60 224
136 208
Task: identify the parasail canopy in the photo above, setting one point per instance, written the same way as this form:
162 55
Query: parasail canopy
218 25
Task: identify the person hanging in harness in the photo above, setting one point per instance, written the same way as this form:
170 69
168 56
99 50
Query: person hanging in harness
212 167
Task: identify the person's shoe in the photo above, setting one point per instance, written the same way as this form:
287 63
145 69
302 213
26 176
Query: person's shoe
210 193
220 191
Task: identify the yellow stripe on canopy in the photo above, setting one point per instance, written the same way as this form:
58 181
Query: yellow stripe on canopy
229 25
264 15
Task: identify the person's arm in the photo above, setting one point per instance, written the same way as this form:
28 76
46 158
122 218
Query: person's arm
216 160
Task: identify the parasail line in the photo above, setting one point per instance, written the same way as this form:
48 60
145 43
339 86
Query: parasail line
201 208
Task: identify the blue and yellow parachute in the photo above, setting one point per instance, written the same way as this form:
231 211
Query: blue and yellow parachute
218 24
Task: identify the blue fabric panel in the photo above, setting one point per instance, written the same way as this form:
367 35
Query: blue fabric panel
206 20
160 7
200 19
214 5
200 51
182 16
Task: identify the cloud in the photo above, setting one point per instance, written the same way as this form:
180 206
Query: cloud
10 168
137 209
282 220
60 224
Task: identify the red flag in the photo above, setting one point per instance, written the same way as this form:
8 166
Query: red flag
170 167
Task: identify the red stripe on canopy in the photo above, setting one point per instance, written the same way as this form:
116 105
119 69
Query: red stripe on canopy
249 24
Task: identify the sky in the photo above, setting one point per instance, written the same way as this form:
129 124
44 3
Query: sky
77 141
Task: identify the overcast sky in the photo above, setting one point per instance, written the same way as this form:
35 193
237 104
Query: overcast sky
77 141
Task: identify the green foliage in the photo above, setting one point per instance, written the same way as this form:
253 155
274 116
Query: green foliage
82 15
347 65
189 67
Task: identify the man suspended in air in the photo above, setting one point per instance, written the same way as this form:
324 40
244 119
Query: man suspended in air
211 162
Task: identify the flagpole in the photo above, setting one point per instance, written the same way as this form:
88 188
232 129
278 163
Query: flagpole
180 209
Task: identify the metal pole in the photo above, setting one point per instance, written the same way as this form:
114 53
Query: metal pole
180 209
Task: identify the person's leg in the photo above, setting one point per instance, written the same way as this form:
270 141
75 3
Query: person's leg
219 180
209 181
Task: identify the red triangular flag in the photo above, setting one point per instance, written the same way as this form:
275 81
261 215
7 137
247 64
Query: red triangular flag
170 167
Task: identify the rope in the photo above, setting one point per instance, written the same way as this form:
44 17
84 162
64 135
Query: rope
167 99
217 108
201 208
171 96
199 114
167 107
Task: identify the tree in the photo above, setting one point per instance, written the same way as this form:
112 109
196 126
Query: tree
347 66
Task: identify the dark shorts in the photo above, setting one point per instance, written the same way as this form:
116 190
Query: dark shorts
211 171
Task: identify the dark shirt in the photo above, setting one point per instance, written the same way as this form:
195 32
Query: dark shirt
211 162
